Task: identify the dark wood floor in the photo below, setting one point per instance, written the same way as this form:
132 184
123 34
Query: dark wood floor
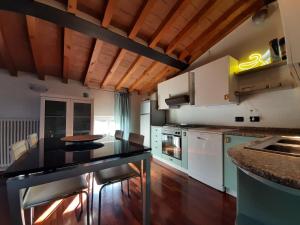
176 200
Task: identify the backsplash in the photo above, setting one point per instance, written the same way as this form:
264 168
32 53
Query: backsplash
275 109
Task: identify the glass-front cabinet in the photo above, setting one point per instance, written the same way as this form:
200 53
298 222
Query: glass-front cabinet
60 117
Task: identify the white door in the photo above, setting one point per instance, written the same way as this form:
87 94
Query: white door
205 158
145 128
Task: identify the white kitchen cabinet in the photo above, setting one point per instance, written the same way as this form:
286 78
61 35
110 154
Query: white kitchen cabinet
289 10
215 82
176 86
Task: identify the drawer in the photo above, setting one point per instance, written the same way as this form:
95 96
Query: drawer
156 138
156 130
171 160
156 133
155 145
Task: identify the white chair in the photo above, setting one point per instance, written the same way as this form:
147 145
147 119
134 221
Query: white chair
18 149
49 192
46 193
32 140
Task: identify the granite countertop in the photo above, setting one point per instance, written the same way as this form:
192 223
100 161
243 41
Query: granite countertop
258 132
261 132
278 168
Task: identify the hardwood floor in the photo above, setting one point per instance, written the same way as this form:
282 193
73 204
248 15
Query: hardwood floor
176 200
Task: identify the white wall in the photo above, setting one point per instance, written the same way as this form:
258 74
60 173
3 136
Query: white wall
277 109
18 101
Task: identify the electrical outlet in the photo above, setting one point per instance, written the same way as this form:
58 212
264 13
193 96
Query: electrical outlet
239 119
254 118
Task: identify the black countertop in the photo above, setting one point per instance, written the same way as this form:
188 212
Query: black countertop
53 154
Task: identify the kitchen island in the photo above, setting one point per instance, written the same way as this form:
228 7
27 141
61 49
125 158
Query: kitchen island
268 186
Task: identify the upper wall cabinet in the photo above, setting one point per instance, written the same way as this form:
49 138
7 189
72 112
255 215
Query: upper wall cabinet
290 15
178 85
215 83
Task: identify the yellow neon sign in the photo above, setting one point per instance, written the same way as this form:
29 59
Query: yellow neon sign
255 60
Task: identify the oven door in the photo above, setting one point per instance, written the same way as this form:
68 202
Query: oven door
171 146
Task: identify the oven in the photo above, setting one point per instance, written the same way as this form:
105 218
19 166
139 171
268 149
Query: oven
171 142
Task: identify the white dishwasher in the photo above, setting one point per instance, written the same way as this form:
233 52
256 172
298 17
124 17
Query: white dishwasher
205 156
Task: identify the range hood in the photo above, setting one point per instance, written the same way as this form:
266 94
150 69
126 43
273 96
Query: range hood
176 101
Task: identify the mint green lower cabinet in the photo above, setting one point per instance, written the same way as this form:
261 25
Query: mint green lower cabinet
230 170
263 202
156 145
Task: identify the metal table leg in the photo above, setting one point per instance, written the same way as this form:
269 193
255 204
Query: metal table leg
15 209
146 194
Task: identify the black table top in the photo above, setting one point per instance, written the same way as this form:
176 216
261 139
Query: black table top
52 154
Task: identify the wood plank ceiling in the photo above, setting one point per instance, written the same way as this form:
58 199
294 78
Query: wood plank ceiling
183 29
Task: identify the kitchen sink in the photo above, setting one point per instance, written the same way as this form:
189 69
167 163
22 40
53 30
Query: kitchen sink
279 145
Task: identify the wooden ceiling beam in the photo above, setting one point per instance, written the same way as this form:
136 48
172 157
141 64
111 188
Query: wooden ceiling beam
134 66
169 20
167 71
146 73
67 54
109 10
6 56
134 31
192 24
64 19
35 45
71 8
110 7
214 26
93 61
176 10
141 18
239 19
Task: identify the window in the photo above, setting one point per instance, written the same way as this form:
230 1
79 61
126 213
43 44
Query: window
104 125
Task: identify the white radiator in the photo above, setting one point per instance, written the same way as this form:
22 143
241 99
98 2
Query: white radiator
12 131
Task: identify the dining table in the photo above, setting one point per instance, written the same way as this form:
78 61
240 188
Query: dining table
53 159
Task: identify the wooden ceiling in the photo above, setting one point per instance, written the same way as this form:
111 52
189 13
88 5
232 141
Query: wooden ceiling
183 29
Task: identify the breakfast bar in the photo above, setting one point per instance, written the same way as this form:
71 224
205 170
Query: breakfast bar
268 185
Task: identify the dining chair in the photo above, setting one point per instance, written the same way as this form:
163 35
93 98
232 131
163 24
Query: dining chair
46 193
117 174
119 134
136 138
32 140
18 149
61 189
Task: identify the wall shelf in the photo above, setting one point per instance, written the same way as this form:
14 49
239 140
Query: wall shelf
262 68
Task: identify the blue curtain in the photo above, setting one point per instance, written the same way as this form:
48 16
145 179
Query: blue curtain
122 113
